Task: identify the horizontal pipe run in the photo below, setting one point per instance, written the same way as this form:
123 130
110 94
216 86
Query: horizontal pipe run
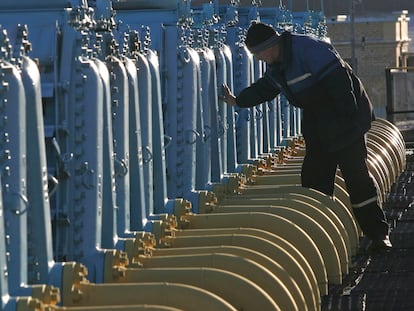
244 267
248 295
305 204
298 290
331 204
264 221
313 278
138 307
325 234
180 296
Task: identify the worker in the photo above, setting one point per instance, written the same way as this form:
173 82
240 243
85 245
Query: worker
337 113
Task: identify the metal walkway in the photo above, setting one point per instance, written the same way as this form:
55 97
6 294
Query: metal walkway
384 281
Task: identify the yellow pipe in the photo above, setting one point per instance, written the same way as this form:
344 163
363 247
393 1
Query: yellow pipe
381 167
77 291
393 136
278 179
272 191
390 148
389 161
309 206
284 168
300 291
244 267
389 128
112 308
341 194
307 217
295 264
331 206
330 244
392 145
377 176
240 292
248 235
278 225
268 190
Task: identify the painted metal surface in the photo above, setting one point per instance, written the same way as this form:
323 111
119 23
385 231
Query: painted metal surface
116 154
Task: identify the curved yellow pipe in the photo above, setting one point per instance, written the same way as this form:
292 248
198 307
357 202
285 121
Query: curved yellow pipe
332 208
269 190
335 229
272 223
377 176
240 292
248 235
247 268
284 178
389 127
307 204
300 291
278 225
294 264
391 144
264 183
78 291
382 168
268 222
330 244
391 134
281 169
341 194
181 296
389 160
138 307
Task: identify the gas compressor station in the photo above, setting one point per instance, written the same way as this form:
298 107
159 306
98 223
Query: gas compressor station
127 184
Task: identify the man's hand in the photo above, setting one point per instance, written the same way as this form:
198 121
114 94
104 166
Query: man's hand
227 96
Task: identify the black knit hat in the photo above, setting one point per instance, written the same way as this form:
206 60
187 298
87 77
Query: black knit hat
260 36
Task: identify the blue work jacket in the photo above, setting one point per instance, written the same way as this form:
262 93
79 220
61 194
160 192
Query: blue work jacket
312 75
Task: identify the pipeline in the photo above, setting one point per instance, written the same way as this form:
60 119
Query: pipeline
127 185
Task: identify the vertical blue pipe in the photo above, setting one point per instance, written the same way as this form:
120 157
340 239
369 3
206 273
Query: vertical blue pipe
137 200
110 234
120 126
230 121
79 112
181 115
145 100
242 76
202 160
13 146
211 109
159 139
221 72
4 272
259 113
39 221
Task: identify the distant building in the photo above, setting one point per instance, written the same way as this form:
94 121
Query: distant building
379 43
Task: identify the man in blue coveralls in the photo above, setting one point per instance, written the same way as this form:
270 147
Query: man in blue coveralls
336 115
